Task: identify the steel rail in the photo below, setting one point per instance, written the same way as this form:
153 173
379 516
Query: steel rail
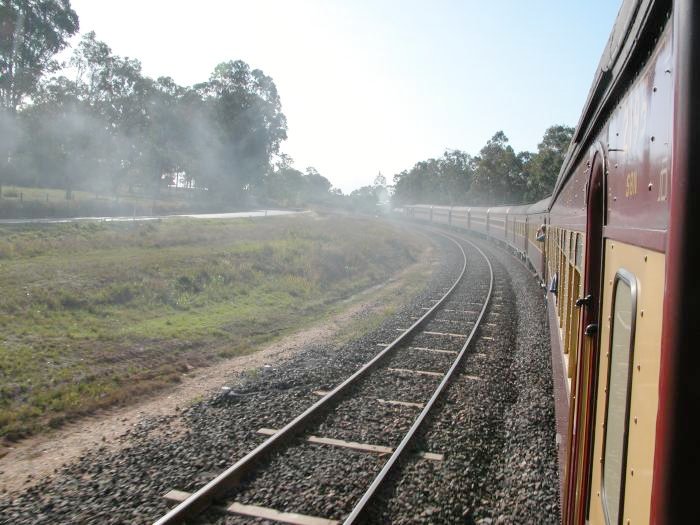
202 498
358 512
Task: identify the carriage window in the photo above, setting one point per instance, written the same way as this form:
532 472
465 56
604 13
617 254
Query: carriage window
624 312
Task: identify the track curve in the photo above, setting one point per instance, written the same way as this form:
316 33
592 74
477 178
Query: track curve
192 504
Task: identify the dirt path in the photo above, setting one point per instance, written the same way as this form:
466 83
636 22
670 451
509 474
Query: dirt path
36 458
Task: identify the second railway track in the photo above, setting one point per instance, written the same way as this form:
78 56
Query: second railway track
401 384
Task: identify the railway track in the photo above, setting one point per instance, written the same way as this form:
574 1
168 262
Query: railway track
423 356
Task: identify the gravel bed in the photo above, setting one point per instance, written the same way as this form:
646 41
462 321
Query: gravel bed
495 425
414 358
438 342
316 480
382 424
126 486
386 384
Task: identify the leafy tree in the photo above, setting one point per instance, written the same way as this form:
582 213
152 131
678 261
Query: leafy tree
381 190
246 110
284 186
456 175
498 172
364 199
287 186
498 175
105 125
92 62
118 94
380 180
31 33
544 166
446 180
317 184
63 139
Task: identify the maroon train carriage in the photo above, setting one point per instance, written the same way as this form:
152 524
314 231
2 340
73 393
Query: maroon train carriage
460 217
441 215
619 252
478 218
535 236
516 229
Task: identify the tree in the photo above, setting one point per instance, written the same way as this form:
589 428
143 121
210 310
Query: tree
317 185
380 180
287 186
498 175
364 199
498 172
455 176
117 93
245 109
446 180
104 124
31 33
544 166
92 62
63 138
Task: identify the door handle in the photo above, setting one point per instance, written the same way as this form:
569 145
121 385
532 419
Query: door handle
591 329
583 301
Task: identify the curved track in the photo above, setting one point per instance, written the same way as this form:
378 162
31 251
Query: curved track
461 329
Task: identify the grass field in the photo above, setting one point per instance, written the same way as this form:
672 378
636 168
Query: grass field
95 314
23 202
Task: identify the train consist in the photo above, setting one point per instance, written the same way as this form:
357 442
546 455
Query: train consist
614 247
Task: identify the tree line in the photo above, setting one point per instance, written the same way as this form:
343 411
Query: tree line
497 175
97 122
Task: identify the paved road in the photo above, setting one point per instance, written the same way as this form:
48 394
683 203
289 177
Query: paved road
232 215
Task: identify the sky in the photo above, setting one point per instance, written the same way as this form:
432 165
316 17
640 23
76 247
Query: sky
378 85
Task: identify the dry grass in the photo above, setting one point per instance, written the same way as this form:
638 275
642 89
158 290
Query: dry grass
95 314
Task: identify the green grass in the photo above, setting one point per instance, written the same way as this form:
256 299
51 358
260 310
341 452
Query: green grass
42 194
93 315
26 202
58 195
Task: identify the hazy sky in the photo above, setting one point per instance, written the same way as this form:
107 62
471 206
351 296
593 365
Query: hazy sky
379 85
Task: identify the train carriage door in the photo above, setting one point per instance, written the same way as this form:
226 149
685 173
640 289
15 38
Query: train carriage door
583 388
